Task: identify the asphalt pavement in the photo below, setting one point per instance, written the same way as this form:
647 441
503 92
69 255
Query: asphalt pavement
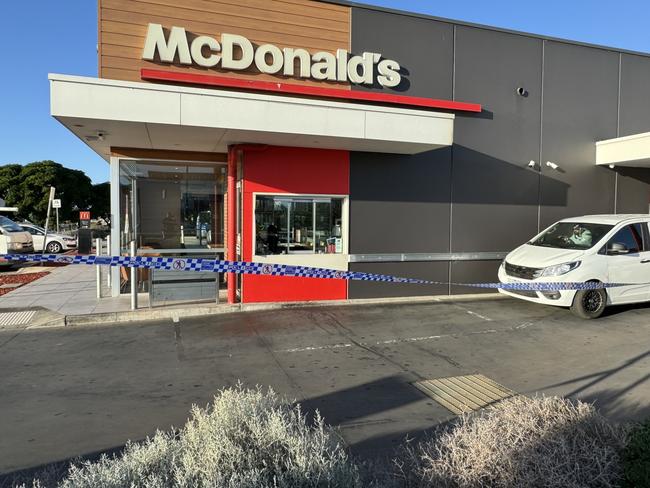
70 391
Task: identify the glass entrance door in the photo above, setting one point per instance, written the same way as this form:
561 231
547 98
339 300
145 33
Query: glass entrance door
173 208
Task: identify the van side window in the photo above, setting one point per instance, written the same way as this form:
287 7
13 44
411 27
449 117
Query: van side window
640 234
646 235
631 236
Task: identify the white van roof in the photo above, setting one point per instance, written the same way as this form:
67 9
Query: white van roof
609 219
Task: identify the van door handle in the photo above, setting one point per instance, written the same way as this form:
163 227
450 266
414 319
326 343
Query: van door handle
644 261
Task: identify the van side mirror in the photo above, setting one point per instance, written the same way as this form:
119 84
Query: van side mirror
616 248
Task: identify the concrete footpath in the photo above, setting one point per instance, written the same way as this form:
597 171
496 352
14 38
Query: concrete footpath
67 290
71 292
72 391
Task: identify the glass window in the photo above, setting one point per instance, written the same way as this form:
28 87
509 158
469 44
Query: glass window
631 236
9 225
641 235
33 231
328 232
172 205
298 225
572 235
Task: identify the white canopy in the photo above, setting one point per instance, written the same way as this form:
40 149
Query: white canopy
633 151
109 113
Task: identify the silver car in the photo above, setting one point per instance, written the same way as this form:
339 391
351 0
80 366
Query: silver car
56 243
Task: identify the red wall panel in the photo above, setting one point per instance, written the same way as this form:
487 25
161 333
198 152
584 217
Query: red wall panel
290 170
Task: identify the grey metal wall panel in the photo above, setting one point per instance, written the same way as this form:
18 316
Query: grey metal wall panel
495 194
424 49
635 95
399 203
474 272
580 108
633 193
482 189
433 271
634 118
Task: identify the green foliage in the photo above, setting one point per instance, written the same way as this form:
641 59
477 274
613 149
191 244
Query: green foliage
27 187
9 181
100 200
636 457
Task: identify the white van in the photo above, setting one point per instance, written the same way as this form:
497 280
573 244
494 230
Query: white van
600 248
13 239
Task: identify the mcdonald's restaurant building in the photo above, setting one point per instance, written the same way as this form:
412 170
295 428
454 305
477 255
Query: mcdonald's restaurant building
337 135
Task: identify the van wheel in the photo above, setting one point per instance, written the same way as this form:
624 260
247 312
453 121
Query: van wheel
589 304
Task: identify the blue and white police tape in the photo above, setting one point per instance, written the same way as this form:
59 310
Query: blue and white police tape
244 267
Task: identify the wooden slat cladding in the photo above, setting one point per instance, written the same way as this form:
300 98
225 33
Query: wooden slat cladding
308 24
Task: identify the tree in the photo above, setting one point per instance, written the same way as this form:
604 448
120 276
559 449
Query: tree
29 189
9 182
100 201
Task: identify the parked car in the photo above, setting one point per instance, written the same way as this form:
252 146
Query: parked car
56 243
13 239
599 248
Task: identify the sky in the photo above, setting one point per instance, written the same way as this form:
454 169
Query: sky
62 38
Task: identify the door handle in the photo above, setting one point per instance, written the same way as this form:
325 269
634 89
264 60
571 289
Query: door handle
644 261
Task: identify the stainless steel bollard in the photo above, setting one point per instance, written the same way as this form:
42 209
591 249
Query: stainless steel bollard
108 253
134 280
98 269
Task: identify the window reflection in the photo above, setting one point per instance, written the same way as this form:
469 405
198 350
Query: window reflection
168 205
298 225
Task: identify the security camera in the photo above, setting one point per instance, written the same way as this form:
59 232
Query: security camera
611 166
522 92
532 163
551 165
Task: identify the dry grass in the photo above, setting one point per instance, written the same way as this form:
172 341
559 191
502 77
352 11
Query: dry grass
521 442
250 438
246 438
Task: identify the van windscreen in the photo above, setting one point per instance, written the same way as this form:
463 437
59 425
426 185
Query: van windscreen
572 235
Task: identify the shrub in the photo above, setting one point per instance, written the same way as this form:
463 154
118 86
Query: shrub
636 456
520 442
246 438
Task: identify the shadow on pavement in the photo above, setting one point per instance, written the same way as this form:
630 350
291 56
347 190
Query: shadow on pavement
357 407
350 405
51 473
610 401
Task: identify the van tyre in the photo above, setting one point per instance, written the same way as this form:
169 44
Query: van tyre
589 304
54 247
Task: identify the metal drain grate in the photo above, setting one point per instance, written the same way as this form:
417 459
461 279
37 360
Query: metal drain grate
16 318
463 394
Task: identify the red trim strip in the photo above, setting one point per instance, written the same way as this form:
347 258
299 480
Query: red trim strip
315 91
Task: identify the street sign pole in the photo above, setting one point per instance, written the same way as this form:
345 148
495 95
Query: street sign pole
47 219
56 205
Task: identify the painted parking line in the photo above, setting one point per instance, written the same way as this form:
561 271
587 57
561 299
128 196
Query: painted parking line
404 340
